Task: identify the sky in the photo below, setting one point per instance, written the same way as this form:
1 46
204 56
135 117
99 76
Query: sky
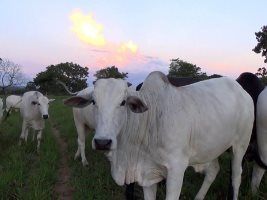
136 36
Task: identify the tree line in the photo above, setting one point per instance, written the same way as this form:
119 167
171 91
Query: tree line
75 76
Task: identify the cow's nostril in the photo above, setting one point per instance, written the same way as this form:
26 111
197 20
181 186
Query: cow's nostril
45 116
102 144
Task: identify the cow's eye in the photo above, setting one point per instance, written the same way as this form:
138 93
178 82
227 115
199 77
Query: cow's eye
123 103
34 102
93 102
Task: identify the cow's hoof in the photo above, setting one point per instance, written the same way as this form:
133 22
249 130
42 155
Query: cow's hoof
77 155
85 163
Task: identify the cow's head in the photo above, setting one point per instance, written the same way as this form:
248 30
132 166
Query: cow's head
111 100
41 103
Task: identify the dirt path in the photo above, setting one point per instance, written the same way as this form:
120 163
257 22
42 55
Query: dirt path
62 188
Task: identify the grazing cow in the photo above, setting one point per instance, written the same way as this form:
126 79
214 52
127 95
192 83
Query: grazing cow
13 102
34 112
155 133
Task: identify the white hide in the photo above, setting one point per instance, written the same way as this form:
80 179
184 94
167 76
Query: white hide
13 101
261 125
84 120
34 110
185 126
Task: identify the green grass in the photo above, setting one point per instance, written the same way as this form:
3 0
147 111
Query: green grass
26 175
93 181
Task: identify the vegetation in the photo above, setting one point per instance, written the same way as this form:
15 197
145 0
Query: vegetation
10 76
73 75
261 47
110 72
180 68
27 175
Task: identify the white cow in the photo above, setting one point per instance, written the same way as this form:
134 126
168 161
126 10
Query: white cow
13 102
34 111
84 121
261 125
186 126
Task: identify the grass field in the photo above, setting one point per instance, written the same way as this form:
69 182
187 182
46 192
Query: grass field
25 174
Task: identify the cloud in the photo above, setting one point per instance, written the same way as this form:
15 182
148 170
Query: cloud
87 29
124 54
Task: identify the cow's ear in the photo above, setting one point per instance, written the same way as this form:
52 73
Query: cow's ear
51 100
136 105
77 101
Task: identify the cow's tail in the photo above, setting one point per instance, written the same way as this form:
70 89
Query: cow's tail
65 87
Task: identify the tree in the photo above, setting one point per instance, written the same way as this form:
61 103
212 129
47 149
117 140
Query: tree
30 86
73 75
110 72
261 47
182 68
10 75
262 74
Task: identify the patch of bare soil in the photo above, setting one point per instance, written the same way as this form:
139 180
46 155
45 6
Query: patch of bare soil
62 188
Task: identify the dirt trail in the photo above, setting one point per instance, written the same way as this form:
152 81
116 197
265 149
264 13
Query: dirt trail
62 188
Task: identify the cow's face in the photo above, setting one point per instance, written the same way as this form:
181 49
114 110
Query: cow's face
41 103
111 100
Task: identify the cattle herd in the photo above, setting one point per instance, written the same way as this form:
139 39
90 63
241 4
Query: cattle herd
155 131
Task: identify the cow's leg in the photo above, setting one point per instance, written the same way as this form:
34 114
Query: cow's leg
175 179
39 137
238 154
150 192
78 152
23 130
210 170
26 133
81 142
33 135
257 175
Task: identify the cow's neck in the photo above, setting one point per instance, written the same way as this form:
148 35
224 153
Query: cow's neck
137 145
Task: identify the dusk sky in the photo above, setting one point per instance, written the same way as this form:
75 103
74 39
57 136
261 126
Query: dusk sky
136 36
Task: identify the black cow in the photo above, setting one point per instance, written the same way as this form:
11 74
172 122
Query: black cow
253 85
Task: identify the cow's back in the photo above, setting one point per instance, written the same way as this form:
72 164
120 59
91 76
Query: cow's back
13 101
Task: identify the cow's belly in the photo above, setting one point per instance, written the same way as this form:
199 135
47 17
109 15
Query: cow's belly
206 149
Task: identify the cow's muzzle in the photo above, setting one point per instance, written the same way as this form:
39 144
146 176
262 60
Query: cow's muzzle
45 116
102 144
